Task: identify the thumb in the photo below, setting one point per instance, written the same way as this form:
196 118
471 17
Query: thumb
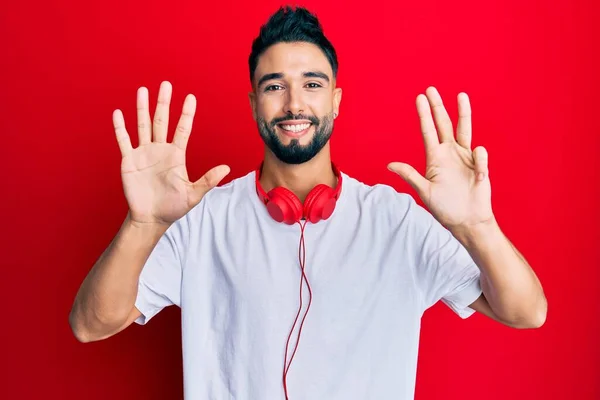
480 155
411 176
208 181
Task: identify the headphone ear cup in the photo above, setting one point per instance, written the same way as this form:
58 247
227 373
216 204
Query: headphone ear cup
319 203
284 206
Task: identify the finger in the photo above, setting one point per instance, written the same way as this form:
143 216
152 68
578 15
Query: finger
143 116
480 155
184 127
442 119
430 137
463 129
208 181
160 125
411 176
121 133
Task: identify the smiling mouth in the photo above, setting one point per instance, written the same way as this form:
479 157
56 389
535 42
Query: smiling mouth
294 129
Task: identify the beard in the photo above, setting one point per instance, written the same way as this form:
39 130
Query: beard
294 153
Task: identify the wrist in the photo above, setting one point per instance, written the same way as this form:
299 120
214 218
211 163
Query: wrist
471 234
150 230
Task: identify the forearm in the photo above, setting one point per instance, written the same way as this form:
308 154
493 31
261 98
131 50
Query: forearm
509 284
107 295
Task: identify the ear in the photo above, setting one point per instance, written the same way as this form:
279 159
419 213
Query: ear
252 98
337 99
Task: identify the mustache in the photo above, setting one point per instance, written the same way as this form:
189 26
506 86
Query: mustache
314 120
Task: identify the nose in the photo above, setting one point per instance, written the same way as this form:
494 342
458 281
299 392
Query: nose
294 103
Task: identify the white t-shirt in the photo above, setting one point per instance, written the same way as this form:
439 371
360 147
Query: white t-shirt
373 267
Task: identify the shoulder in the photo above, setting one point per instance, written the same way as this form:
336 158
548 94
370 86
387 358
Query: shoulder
387 208
233 193
237 187
381 197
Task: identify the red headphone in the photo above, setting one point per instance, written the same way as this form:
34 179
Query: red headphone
284 206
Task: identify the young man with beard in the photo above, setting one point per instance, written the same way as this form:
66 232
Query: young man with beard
298 261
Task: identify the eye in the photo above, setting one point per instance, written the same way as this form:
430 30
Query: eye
313 85
271 88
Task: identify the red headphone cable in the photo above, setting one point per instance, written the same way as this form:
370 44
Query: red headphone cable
302 260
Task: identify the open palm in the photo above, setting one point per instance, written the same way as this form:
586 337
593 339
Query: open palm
456 186
155 178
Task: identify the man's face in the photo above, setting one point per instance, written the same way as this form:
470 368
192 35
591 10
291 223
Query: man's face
294 100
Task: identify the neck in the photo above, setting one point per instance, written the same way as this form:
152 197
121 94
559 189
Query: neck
300 178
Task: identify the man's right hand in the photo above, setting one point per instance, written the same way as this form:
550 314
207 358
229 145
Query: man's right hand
155 179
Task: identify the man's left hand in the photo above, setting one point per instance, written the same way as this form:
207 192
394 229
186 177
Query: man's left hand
456 186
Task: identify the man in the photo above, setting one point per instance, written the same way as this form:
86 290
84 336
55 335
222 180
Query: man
297 280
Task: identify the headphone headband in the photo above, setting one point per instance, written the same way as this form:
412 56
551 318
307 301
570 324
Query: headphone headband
265 199
284 206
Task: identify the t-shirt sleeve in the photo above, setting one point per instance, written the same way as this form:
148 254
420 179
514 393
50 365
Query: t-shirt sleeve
159 285
444 270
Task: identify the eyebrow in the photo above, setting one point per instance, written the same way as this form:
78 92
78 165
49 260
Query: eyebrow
316 74
279 75
268 77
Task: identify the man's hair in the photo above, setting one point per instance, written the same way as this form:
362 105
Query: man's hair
291 25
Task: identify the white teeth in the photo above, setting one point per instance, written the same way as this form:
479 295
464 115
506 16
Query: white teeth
295 128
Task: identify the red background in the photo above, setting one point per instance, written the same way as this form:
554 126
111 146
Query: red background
530 69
